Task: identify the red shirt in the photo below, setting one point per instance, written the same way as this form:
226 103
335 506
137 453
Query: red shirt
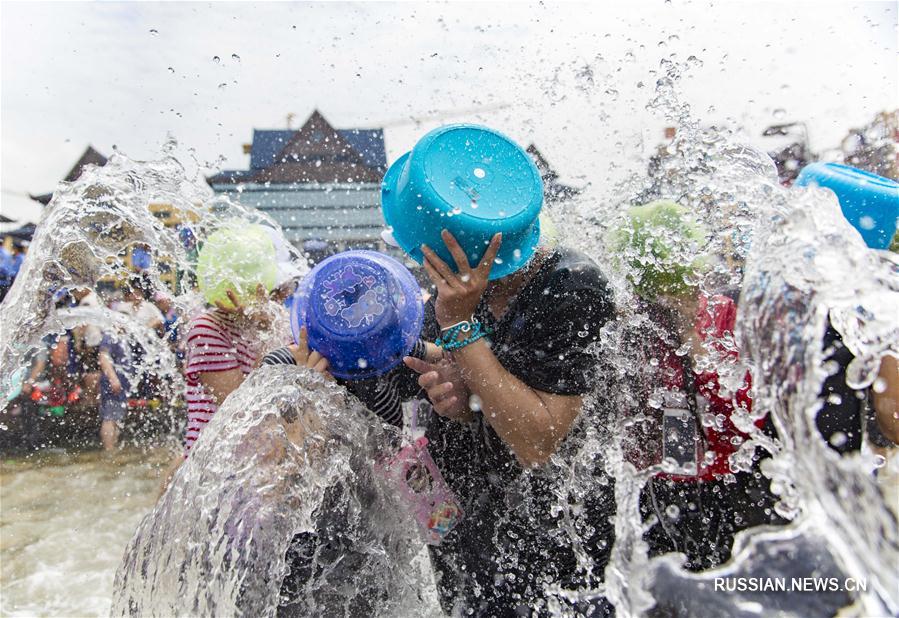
715 320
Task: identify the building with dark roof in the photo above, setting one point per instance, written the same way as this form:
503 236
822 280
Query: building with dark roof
319 183
90 157
166 213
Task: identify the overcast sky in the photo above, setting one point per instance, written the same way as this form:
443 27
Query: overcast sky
574 78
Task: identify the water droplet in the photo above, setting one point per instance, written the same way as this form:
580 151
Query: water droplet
235 57
216 59
672 511
866 222
474 403
779 113
171 69
154 32
479 172
473 204
838 439
222 86
362 363
880 385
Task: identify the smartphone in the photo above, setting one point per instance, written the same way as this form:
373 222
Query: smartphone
680 435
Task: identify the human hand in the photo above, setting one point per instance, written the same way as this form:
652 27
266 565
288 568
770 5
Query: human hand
458 294
306 358
443 383
254 313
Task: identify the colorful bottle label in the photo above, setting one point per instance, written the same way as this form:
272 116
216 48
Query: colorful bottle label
419 483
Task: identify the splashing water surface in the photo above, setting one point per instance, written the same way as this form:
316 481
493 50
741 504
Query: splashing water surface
282 449
288 447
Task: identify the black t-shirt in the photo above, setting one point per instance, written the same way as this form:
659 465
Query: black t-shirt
511 541
845 415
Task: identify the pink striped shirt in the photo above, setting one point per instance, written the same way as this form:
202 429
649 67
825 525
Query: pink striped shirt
213 344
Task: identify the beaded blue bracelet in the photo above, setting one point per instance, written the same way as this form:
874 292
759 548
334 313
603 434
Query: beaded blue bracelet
449 341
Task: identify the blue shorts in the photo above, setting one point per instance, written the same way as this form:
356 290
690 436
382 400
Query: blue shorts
113 407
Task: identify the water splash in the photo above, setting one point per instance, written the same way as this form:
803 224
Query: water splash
282 451
789 254
795 260
84 237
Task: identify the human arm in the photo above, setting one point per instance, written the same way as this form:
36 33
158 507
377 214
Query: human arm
37 368
886 402
254 314
213 357
442 381
300 355
155 319
108 369
220 384
531 422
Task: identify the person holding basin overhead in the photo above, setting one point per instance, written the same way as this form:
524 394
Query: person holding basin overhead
870 203
361 313
515 322
692 392
238 266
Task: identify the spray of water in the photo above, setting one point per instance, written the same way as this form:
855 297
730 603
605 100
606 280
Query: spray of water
795 260
287 448
287 454
84 237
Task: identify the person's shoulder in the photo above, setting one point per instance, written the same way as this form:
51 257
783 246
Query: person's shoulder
209 319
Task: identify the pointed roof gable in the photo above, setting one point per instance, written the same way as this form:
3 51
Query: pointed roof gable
317 140
315 153
89 157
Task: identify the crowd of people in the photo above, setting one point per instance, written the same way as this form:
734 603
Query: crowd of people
95 372
504 357
10 262
501 354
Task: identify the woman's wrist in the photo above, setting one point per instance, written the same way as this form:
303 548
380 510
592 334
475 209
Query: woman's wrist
462 334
